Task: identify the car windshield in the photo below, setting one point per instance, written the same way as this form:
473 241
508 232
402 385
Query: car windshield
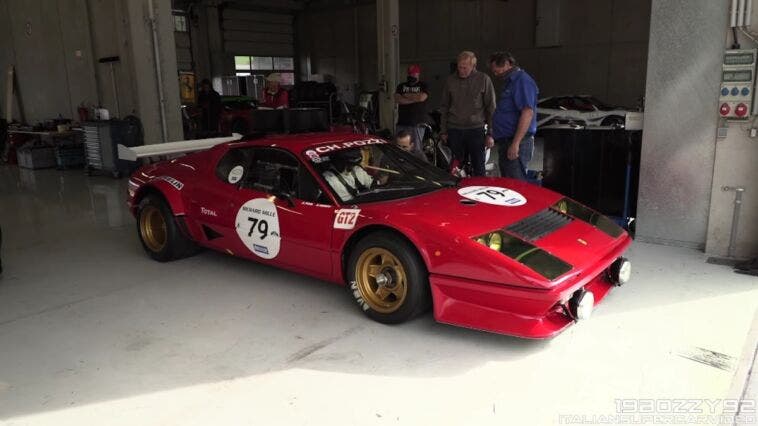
377 172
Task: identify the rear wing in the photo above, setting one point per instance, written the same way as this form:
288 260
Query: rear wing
172 148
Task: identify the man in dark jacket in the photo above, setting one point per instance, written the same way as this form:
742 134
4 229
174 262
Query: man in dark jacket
209 102
468 102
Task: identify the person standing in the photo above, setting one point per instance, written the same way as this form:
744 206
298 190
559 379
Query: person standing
468 102
411 97
209 102
275 96
515 120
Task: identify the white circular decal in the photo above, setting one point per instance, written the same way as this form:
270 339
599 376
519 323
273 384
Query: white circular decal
496 195
236 174
257 225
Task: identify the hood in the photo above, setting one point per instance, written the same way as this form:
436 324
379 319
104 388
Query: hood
464 215
467 212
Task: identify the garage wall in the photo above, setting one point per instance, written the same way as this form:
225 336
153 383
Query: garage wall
678 145
602 48
735 165
55 47
49 45
340 41
257 33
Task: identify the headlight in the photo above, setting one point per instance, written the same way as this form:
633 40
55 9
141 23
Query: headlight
581 304
562 206
525 253
620 271
492 240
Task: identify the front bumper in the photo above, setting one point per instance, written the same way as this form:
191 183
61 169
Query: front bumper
517 311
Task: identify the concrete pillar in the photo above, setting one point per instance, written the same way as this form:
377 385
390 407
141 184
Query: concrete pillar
681 117
215 40
148 95
388 38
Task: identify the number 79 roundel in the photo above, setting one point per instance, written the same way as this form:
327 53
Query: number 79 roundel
257 225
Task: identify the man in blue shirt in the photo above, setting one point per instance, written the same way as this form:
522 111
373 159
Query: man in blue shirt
514 122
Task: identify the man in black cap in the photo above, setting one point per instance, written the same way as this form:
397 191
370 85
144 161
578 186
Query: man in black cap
411 97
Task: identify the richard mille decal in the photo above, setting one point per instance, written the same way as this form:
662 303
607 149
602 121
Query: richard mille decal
257 225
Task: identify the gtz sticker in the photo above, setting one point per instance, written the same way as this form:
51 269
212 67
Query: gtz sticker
346 218
173 182
496 195
257 225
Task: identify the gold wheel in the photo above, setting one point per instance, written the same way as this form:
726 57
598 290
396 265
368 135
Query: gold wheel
381 280
152 227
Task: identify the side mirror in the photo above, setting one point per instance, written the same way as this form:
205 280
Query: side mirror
284 195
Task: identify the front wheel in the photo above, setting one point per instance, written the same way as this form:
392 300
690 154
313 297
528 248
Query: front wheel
159 232
388 279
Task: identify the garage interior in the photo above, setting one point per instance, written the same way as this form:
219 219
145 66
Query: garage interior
92 331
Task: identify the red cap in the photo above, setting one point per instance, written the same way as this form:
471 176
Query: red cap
414 69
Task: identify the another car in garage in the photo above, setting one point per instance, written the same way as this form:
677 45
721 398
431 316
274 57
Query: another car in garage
584 111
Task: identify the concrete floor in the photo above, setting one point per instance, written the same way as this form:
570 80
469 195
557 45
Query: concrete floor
93 332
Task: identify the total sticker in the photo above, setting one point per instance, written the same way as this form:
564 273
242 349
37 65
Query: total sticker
257 225
496 195
346 218
236 174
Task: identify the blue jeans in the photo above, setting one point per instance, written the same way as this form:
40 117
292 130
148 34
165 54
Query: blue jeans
515 169
468 144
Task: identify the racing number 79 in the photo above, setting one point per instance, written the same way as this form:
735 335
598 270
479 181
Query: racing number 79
262 227
491 193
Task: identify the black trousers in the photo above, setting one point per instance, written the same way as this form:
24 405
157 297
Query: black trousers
468 144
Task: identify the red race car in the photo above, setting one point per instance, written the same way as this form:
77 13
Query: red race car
486 253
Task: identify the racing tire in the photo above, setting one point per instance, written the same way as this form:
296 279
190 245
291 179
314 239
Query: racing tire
388 279
159 231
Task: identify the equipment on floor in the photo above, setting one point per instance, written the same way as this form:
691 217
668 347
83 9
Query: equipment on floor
101 139
36 156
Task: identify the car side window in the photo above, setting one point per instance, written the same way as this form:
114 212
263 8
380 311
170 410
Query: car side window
232 166
275 170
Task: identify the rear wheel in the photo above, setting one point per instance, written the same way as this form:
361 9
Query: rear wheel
159 232
388 279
